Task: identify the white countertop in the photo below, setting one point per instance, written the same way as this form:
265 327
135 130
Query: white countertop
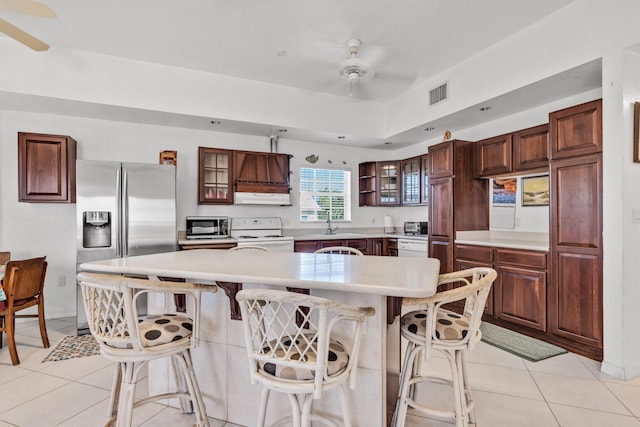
391 276
505 239
311 236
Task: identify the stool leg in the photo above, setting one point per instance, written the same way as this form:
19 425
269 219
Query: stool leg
307 402
197 402
264 400
467 387
179 373
458 388
127 395
346 418
400 413
115 391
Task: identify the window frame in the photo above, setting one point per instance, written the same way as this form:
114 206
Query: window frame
346 194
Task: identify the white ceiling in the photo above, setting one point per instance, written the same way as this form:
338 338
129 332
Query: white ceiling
297 43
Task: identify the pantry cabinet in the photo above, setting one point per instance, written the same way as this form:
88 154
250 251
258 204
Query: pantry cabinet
457 200
46 168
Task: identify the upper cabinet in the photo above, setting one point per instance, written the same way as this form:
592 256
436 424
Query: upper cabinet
494 155
531 148
576 131
46 168
411 181
215 172
394 183
524 151
258 172
388 177
223 172
441 160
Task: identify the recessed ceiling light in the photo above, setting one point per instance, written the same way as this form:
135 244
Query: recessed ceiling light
215 122
485 108
341 137
282 130
429 129
281 53
388 143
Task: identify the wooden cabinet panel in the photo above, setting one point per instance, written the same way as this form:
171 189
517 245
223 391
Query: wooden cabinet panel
258 172
522 258
441 160
376 246
46 168
531 149
215 172
441 207
521 297
494 155
360 244
305 246
577 202
330 242
476 253
577 298
576 131
442 250
390 247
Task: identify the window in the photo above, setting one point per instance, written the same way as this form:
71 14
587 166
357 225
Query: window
323 192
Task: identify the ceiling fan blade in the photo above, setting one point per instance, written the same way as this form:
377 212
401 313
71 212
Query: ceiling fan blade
22 36
29 7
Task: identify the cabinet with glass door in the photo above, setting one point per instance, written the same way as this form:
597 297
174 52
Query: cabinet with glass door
411 181
388 183
215 169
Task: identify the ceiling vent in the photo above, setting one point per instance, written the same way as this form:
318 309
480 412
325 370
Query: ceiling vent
438 94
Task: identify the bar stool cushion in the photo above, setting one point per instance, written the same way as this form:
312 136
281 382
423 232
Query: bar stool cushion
158 329
337 361
450 326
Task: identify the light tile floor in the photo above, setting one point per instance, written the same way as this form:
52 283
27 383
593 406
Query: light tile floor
566 390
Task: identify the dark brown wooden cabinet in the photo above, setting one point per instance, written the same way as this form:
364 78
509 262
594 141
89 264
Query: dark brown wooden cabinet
526 150
470 256
215 176
577 277
411 181
457 201
531 149
313 245
367 185
46 168
494 155
389 184
520 290
424 175
391 247
576 131
258 172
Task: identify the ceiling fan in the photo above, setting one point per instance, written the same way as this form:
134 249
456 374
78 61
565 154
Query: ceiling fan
353 68
28 7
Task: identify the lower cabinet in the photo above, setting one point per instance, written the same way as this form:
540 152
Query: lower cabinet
519 294
313 245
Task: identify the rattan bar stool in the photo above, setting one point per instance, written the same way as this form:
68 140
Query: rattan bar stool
132 341
291 349
436 328
345 250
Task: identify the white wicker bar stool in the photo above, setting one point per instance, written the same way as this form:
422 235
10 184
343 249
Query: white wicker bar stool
451 333
291 349
345 250
132 341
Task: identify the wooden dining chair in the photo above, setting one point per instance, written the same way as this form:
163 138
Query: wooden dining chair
23 285
5 257
344 250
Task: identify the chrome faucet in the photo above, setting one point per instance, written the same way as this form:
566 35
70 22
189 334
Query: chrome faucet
330 230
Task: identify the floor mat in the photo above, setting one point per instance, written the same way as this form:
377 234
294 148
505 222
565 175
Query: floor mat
526 347
73 346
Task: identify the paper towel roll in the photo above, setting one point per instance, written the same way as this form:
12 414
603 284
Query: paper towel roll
388 224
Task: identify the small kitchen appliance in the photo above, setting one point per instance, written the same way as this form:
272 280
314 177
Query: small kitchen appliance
415 227
207 227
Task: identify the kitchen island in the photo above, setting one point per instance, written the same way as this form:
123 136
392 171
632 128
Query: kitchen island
221 362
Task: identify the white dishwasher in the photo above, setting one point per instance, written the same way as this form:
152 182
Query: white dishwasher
413 247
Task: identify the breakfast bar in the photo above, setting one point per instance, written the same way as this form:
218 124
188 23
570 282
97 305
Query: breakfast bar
220 360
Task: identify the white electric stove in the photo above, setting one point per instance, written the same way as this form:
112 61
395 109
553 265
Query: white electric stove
261 231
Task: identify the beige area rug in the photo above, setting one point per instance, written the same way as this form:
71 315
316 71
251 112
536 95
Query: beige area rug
73 346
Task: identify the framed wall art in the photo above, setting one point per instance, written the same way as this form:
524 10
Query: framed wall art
535 191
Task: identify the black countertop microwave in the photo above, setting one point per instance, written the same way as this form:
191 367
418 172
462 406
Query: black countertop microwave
207 227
